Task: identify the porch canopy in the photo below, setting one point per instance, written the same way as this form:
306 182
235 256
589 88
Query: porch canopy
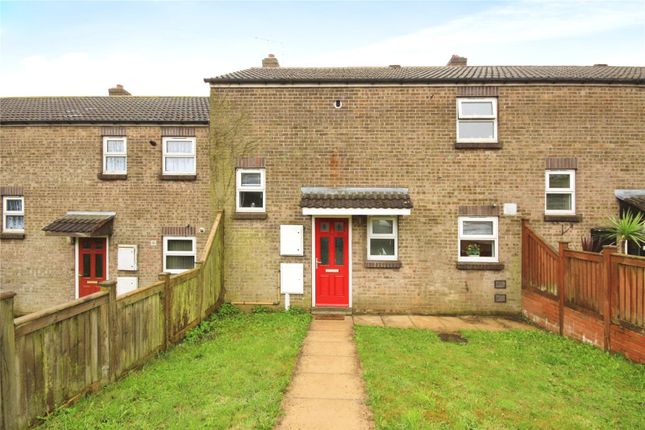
82 224
635 198
355 201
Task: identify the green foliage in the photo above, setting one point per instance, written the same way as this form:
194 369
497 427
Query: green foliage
261 310
228 310
498 380
629 227
297 311
234 380
472 249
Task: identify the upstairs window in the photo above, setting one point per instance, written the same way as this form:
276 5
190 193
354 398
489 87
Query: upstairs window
115 156
476 120
250 190
179 254
382 238
478 239
179 156
13 214
560 192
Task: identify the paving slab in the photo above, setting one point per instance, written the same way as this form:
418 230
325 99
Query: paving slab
427 322
372 320
330 335
397 321
328 364
328 348
325 414
327 386
340 325
482 323
514 325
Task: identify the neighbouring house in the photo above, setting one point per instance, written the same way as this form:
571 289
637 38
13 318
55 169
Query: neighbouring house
93 188
402 189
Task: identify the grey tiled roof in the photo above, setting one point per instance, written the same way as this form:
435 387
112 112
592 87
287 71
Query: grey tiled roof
635 198
444 74
364 198
119 109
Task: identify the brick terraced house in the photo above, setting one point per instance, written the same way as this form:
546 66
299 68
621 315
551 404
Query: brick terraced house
402 189
97 188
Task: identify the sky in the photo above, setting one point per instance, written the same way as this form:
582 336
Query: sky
168 47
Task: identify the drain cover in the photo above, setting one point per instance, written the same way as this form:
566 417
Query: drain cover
452 337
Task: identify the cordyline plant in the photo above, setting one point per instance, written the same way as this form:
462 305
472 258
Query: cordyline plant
629 227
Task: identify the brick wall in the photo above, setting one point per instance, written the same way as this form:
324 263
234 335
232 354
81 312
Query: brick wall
58 166
404 137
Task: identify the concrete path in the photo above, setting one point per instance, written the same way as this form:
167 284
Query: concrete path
442 324
326 391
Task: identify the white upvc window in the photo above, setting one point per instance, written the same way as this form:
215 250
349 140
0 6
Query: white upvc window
382 238
250 190
13 214
476 120
179 155
179 253
560 192
478 239
115 156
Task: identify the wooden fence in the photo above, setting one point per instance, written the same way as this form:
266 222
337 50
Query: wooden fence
53 357
595 297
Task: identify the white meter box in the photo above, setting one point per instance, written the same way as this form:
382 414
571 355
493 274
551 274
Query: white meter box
291 240
291 278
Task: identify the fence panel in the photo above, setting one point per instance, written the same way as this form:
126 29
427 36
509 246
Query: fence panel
628 295
540 264
584 280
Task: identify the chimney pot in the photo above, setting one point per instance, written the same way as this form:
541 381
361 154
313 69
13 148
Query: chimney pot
395 66
118 90
270 61
457 61
600 65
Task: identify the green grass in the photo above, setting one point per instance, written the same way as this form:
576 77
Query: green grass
507 380
230 373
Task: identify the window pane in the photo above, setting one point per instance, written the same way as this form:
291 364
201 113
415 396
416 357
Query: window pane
477 108
324 226
476 129
339 251
180 262
558 202
87 258
382 226
559 181
14 205
251 199
478 228
176 146
98 244
382 247
324 250
98 265
115 164
15 222
180 245
339 226
115 146
251 179
180 164
478 248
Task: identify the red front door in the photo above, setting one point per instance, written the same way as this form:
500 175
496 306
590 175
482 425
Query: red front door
332 262
92 254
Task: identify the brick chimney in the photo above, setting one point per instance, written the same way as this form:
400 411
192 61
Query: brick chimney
118 91
457 61
270 61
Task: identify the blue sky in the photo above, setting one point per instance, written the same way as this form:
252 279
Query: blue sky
167 48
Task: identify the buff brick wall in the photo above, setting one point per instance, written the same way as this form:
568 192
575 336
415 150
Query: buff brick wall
404 136
57 166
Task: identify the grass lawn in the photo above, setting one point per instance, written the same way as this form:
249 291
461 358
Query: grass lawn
512 380
230 374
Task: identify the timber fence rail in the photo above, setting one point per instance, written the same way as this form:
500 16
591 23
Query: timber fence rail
53 357
598 298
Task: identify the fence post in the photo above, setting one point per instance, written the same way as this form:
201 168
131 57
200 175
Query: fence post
199 265
114 328
562 261
167 300
525 253
9 394
608 288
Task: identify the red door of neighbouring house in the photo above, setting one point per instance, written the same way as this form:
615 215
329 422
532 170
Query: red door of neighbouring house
92 255
332 268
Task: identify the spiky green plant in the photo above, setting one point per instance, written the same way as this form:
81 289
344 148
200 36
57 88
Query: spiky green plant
629 227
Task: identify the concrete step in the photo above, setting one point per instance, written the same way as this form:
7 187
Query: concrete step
330 312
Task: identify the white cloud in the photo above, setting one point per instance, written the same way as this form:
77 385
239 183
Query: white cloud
504 35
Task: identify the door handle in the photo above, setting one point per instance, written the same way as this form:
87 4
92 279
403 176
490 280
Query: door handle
91 282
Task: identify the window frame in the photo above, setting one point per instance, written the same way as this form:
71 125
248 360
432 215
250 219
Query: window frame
494 237
6 213
167 253
115 154
250 188
571 190
394 235
477 118
166 155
